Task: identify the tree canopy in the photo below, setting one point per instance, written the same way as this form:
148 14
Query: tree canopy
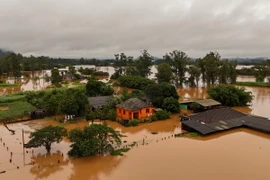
159 92
230 95
92 140
46 136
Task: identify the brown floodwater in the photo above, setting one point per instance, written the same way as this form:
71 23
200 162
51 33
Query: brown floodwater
235 154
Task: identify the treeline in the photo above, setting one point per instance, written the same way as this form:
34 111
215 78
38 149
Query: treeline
260 71
178 68
12 63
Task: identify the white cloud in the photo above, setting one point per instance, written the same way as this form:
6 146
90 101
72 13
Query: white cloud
101 28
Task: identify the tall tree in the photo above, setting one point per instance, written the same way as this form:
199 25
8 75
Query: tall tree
178 61
211 63
194 75
164 73
143 64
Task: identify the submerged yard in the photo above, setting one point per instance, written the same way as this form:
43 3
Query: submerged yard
14 106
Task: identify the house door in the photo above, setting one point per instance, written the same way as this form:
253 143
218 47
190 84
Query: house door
136 115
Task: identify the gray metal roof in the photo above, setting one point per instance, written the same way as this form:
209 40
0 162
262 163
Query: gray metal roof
208 102
134 104
99 101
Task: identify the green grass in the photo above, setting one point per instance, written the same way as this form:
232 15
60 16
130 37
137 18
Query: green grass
9 85
16 109
12 98
193 134
255 84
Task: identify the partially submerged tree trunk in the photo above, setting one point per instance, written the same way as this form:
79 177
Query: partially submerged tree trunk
48 147
10 130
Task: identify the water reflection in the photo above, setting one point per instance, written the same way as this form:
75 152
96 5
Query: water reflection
43 165
91 168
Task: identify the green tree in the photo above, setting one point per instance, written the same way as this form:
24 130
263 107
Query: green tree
230 95
171 104
195 75
158 92
143 64
89 113
46 136
97 88
92 140
69 105
136 82
211 63
178 61
164 73
55 77
261 71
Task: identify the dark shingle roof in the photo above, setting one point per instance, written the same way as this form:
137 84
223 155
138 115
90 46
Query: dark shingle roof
216 115
99 101
223 119
134 104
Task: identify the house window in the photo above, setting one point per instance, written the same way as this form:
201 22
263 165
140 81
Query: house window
147 110
124 112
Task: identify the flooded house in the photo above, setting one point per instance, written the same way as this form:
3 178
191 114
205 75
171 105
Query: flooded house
134 108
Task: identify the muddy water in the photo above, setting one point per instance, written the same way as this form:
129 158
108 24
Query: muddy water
30 80
236 154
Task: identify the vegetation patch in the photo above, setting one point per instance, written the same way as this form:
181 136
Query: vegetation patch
230 95
133 122
15 109
9 85
161 115
255 84
4 108
100 73
119 152
136 82
193 134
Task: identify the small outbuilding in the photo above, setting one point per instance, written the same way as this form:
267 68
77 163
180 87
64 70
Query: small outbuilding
200 105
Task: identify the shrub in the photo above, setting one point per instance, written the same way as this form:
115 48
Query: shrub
100 73
171 104
154 118
133 122
162 115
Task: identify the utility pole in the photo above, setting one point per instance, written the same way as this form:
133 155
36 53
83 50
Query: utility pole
23 147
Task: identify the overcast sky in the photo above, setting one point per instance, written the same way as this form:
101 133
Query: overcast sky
102 28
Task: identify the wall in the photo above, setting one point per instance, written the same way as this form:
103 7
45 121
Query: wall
127 114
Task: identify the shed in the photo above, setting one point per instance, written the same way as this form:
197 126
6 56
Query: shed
208 103
37 114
